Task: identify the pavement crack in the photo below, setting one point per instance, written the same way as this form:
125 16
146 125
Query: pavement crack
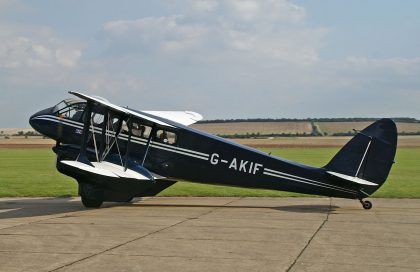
141 237
312 237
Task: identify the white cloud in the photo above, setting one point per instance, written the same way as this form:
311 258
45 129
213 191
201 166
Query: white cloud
247 10
223 58
246 30
67 56
164 33
265 11
35 47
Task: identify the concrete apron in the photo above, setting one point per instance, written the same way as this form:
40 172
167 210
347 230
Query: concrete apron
209 234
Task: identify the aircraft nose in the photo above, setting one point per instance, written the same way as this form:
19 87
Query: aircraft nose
34 120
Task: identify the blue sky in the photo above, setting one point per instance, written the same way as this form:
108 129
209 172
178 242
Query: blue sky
221 58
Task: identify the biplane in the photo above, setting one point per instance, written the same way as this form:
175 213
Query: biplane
117 153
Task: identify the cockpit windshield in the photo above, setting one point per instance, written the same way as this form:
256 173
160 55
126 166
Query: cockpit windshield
70 109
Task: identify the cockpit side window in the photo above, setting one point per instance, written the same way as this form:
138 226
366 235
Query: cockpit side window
59 106
70 111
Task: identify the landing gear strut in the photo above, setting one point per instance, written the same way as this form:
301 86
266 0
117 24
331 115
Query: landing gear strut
367 205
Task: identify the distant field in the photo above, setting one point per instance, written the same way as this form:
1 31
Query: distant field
31 172
264 128
255 127
13 131
342 127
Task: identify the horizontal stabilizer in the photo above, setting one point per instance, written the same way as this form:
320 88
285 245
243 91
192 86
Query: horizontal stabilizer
352 179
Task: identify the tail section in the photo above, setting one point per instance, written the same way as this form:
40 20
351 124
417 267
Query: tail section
368 157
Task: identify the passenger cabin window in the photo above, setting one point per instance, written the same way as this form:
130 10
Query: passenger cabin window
97 119
140 130
137 130
166 137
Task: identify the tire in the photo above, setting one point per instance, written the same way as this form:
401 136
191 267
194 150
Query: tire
367 205
92 196
91 203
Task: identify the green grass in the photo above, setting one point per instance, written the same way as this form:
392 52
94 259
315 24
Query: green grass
31 172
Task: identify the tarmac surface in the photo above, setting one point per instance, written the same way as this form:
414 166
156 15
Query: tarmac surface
210 234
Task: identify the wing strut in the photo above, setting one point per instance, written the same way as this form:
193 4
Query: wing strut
82 156
152 132
127 152
105 123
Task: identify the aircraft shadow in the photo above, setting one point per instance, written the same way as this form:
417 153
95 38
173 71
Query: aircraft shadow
21 208
288 208
308 208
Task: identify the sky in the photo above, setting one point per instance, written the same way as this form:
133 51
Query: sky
222 58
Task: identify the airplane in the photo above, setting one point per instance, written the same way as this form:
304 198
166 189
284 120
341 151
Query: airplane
117 153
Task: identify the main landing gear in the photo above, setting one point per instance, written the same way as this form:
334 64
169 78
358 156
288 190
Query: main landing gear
92 196
367 205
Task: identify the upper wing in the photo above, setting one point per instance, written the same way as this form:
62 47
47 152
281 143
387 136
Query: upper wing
183 117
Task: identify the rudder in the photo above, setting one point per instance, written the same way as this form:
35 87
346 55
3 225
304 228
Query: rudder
369 155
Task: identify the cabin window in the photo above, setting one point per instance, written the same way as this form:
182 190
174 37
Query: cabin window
97 119
137 130
166 137
140 130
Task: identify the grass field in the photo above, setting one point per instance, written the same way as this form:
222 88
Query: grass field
31 172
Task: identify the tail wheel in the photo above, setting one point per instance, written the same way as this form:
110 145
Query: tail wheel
367 205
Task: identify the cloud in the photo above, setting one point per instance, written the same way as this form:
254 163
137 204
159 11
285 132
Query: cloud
265 11
232 30
160 33
222 58
36 47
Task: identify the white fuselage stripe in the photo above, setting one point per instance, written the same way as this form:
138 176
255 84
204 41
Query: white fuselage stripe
179 150
301 181
275 173
305 179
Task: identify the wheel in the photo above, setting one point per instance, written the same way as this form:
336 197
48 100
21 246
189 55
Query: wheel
92 196
91 203
367 205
